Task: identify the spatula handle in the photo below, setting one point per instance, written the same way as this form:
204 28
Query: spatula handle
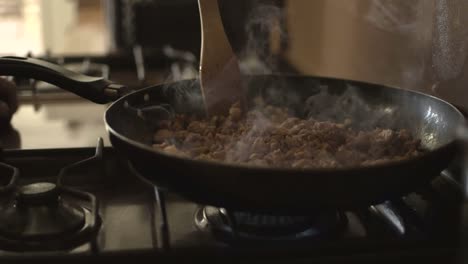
220 75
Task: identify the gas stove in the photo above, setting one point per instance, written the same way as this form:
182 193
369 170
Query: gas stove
66 199
87 204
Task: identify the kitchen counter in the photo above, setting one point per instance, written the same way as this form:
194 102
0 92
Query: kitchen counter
65 124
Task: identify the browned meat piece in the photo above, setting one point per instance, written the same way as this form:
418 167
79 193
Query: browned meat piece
259 162
178 123
235 112
324 163
173 150
274 145
360 142
270 136
181 135
193 139
254 156
199 150
259 146
219 155
197 127
349 157
384 136
162 135
344 155
302 163
289 122
204 157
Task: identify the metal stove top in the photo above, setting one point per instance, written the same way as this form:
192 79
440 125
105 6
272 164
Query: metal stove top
125 219
52 145
137 220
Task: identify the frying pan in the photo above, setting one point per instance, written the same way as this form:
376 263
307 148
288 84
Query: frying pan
132 118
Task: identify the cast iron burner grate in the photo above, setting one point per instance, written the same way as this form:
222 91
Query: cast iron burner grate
244 227
47 215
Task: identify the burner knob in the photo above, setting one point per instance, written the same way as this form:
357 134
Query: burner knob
38 193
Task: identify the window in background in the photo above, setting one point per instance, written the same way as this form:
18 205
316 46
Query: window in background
20 27
74 27
61 27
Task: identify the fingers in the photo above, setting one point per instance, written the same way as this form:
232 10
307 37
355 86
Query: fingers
8 102
5 111
5 114
8 95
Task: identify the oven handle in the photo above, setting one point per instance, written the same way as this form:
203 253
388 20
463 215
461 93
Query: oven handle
95 89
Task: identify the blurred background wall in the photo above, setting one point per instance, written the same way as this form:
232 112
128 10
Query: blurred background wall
413 44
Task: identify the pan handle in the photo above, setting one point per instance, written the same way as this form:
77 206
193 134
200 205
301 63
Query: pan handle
95 89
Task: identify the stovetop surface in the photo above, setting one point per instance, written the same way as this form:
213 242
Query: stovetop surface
423 225
126 205
54 129
58 124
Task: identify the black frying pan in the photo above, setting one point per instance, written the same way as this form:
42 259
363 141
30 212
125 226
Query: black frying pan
131 123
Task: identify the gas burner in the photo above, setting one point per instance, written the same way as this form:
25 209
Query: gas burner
41 217
46 215
244 226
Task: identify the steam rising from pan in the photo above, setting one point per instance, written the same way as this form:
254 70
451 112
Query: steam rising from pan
263 21
255 58
450 38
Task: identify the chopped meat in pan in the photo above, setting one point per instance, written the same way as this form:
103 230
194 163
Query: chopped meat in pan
270 136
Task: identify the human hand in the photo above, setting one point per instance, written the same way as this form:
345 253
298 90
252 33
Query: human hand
8 101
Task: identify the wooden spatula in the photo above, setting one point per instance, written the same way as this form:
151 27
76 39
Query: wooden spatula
219 68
